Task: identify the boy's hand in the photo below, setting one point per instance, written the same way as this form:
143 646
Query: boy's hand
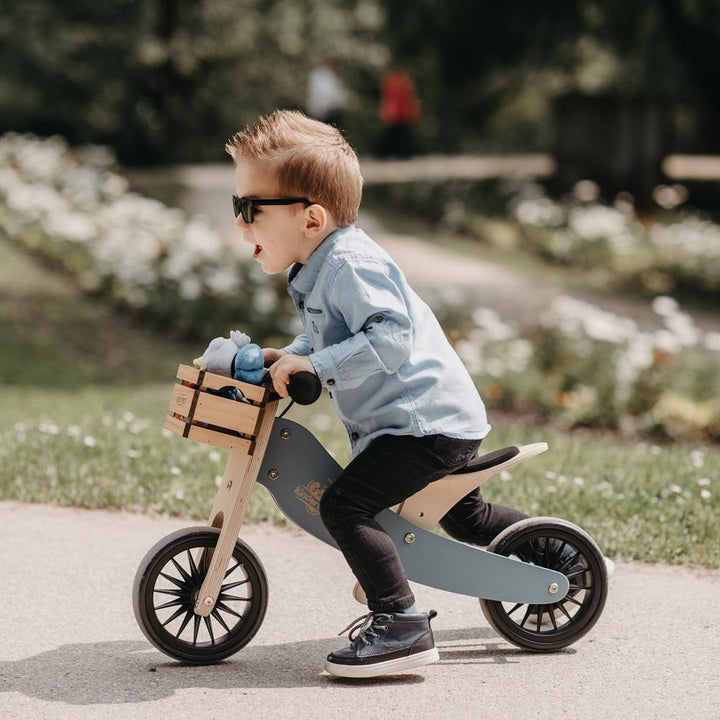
286 366
271 355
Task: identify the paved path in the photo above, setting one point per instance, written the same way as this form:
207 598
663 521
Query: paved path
71 649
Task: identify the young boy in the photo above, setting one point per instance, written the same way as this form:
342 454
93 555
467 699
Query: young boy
410 408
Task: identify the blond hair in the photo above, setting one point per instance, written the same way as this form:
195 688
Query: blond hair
310 159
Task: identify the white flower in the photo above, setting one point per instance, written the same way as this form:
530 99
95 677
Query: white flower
596 222
48 428
89 441
705 494
697 458
712 341
664 305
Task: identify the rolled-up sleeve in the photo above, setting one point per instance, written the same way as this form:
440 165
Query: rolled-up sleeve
299 346
374 310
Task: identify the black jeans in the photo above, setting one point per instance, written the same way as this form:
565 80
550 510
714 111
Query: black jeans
389 470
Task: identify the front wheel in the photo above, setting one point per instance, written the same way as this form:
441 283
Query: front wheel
564 547
165 590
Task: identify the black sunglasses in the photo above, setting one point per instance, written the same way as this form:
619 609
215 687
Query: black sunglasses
245 206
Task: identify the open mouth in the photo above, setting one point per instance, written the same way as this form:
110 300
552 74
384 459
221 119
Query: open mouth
258 250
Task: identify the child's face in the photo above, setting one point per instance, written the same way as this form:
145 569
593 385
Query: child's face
277 231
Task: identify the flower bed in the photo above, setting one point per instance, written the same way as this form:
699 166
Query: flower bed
675 252
588 367
68 206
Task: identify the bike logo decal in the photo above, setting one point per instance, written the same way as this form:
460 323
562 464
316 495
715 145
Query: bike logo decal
310 495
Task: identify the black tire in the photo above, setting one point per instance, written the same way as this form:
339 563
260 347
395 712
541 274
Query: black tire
167 581
546 628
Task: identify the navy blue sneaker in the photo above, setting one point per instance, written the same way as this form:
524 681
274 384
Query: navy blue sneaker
384 643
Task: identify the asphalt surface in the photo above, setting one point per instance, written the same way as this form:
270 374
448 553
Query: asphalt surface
70 647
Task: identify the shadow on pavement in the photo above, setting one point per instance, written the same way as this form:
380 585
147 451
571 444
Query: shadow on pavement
126 671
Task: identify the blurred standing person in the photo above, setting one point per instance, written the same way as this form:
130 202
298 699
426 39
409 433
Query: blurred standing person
399 112
326 96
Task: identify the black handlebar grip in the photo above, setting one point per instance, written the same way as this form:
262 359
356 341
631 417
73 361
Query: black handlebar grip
304 388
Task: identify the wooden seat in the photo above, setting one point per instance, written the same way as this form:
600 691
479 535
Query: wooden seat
485 462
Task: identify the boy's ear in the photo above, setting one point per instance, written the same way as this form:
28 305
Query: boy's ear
316 219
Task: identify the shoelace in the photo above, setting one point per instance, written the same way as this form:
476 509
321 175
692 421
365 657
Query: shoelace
365 626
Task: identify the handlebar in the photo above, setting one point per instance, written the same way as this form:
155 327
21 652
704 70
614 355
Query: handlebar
304 387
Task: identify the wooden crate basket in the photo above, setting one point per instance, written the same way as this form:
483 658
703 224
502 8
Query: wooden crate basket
197 414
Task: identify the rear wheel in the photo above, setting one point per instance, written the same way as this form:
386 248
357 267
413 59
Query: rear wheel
566 548
166 588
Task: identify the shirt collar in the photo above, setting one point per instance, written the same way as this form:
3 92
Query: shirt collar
302 277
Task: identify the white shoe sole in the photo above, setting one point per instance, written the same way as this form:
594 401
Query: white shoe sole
426 657
609 566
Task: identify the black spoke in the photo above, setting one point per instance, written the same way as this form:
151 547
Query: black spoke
552 617
208 625
541 611
196 627
185 621
193 568
527 615
232 569
222 606
558 554
562 609
219 618
175 593
181 570
575 573
174 580
223 596
567 598
230 586
175 615
172 603
569 561
519 605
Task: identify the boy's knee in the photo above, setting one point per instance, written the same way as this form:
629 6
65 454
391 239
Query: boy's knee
337 505
328 504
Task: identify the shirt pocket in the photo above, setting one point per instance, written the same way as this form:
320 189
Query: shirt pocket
316 321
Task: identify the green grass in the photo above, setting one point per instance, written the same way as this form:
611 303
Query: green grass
84 394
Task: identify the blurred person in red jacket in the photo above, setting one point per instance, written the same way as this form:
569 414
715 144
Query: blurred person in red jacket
399 112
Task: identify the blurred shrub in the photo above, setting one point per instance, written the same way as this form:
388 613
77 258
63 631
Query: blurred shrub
162 266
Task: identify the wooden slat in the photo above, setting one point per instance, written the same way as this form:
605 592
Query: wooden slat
174 425
181 400
213 410
253 392
210 437
237 416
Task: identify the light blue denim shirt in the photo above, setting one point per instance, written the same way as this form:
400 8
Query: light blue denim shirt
377 347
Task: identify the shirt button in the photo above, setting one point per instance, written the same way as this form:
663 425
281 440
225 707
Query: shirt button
354 436
331 382
301 305
379 318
